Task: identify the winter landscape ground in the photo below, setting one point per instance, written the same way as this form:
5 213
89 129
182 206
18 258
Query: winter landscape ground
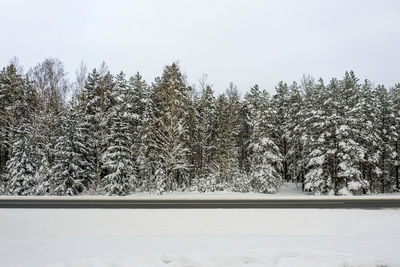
200 237
125 238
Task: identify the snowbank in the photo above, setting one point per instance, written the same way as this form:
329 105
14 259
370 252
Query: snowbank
289 191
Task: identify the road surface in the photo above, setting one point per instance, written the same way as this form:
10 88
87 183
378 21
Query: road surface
332 203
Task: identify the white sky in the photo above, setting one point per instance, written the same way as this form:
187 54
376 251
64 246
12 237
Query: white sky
245 42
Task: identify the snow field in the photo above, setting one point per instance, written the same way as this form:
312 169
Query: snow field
234 258
250 237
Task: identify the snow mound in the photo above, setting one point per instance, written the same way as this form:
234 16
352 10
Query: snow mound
290 189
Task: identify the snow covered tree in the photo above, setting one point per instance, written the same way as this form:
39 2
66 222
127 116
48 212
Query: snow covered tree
282 106
171 128
21 166
96 102
146 159
386 154
244 139
368 137
317 179
43 178
43 175
294 133
228 127
266 158
17 102
137 96
207 131
117 161
67 171
395 102
335 151
350 152
50 82
251 106
118 137
81 145
221 159
251 103
193 138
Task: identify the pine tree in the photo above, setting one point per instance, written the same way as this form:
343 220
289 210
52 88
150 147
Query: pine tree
368 133
81 145
207 132
117 158
17 102
137 96
294 133
350 152
266 158
171 127
68 174
228 127
244 140
146 155
221 138
193 138
316 179
44 178
282 103
395 102
385 131
96 102
335 150
21 166
251 107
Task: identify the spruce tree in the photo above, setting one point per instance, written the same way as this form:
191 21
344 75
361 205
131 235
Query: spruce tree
294 134
395 102
117 161
251 107
316 179
386 132
282 105
44 178
68 174
17 103
21 167
146 161
350 152
368 133
96 102
193 138
137 97
171 127
266 158
207 132
228 127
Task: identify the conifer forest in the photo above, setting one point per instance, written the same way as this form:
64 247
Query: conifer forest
115 134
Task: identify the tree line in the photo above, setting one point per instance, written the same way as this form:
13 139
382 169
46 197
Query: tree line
120 135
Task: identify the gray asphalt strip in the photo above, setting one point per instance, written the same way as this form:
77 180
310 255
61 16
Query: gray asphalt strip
200 204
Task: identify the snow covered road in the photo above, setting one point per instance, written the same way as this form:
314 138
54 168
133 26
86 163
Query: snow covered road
273 237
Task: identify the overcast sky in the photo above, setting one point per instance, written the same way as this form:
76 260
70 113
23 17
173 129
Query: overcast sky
245 42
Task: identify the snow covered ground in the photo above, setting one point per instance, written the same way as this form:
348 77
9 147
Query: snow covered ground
249 237
287 191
